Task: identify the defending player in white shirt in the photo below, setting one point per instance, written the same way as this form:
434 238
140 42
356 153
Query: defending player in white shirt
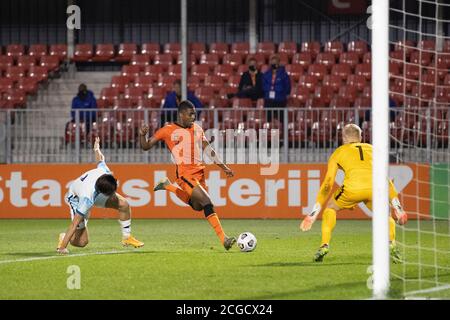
96 187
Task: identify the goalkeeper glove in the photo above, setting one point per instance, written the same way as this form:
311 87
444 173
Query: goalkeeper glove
400 214
310 218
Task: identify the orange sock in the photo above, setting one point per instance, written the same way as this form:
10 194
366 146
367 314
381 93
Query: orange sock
183 195
214 221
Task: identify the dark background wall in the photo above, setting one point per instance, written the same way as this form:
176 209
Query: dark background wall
116 21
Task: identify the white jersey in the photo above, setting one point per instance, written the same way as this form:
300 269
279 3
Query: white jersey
82 194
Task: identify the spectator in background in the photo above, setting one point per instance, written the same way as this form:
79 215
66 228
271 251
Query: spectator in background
84 100
250 85
392 112
173 99
276 87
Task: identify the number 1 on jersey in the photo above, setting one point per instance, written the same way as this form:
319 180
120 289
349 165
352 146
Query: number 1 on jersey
361 154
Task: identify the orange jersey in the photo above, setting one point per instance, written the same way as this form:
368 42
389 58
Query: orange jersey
186 146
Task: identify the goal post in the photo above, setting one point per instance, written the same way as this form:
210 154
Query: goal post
380 140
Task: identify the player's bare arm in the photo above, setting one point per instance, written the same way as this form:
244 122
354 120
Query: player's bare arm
69 234
98 154
229 173
146 144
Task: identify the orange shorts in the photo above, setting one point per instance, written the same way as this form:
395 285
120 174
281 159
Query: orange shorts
188 182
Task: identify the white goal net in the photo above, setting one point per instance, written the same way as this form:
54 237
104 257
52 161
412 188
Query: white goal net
419 130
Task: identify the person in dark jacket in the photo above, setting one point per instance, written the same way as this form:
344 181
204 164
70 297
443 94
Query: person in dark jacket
276 87
250 85
85 99
173 99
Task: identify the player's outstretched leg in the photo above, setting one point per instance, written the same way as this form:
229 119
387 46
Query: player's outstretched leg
200 201
121 204
165 184
328 224
394 250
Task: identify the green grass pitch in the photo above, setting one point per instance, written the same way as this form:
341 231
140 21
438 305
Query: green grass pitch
183 259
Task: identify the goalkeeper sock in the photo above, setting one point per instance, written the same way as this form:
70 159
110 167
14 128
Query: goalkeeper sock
126 228
328 223
214 221
391 229
181 194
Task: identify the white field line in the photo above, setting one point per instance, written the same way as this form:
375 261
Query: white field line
435 289
64 256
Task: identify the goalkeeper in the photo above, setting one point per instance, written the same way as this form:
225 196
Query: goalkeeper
355 159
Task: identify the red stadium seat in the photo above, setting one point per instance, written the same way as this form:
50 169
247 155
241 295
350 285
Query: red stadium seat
15 50
242 48
326 58
145 82
241 69
108 95
358 47
309 81
193 82
412 72
120 82
173 48
363 103
348 92
394 69
133 93
175 70
204 94
209 59
324 93
16 98
242 103
219 48
165 60
233 59
83 52
259 57
225 91
295 71
423 92
140 60
341 70
214 82
58 50
317 70
314 102
290 48
26 61
15 73
104 52
38 50
312 47
332 81
150 49
126 52
156 93
197 49
6 84
267 48
233 81
421 57
200 70
446 47
130 70
153 70
397 57
302 94
224 71
350 58
284 58
339 102
5 62
427 45
121 103
335 47
166 81
367 92
28 85
408 46
357 81
219 103
303 58
51 63
364 70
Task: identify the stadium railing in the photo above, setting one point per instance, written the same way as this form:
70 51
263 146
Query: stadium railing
304 135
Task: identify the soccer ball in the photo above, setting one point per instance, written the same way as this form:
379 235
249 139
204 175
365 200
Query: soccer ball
246 242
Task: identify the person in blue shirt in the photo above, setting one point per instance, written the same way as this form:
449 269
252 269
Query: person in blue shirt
276 87
173 99
85 99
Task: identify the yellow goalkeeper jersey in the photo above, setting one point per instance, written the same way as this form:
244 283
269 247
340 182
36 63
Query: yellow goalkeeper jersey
355 159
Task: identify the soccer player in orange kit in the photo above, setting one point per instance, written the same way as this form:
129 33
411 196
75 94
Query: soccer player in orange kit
186 141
